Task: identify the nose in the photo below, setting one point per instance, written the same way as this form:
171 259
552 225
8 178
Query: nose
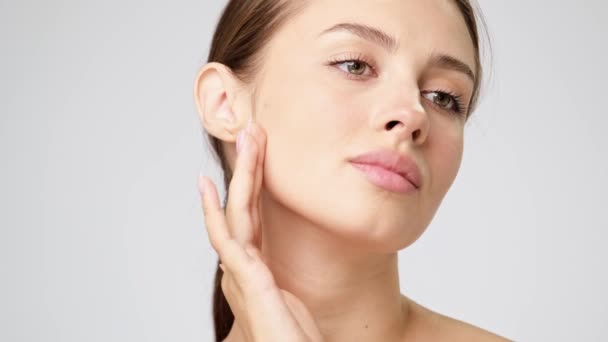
405 120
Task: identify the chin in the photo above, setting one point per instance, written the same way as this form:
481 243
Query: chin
352 210
374 232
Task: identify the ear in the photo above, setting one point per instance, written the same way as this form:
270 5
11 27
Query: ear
222 101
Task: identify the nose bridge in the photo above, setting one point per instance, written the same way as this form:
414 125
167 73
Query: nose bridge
402 113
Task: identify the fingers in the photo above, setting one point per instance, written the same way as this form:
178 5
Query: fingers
240 192
258 134
231 253
232 231
214 214
247 282
243 204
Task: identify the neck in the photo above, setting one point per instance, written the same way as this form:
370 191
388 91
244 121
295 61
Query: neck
353 294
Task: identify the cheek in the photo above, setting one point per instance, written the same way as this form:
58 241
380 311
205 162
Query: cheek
309 118
444 157
311 129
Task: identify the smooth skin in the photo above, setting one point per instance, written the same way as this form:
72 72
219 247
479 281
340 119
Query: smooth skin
322 239
263 311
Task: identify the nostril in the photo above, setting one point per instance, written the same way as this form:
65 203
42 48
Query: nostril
416 134
391 124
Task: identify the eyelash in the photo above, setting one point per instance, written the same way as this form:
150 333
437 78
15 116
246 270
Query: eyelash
359 58
456 99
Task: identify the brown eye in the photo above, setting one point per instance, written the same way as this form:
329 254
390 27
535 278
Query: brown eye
446 101
441 99
354 67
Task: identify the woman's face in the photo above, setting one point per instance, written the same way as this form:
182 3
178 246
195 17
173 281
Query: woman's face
317 116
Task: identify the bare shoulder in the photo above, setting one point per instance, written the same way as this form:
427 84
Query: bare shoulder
457 330
433 326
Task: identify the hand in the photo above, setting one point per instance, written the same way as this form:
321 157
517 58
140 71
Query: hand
263 311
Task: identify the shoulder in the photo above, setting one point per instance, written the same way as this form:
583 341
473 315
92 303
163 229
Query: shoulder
433 326
457 330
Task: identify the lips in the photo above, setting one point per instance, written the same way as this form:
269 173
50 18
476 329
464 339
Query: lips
392 161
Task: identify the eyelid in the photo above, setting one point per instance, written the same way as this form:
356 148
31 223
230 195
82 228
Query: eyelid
354 57
461 107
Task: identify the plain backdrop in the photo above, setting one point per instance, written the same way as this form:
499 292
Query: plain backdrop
101 229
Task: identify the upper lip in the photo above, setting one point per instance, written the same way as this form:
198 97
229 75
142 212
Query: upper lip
392 161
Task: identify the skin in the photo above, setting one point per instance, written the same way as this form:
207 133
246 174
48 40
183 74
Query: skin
325 239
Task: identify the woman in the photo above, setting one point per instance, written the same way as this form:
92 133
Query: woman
348 120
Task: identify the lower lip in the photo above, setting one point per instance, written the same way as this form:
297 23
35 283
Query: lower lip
386 179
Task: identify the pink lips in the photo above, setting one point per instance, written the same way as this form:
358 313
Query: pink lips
389 170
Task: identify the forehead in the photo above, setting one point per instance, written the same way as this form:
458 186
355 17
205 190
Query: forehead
417 25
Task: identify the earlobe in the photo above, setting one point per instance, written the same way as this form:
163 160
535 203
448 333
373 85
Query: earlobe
215 90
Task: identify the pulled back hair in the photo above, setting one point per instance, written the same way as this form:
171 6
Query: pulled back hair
243 30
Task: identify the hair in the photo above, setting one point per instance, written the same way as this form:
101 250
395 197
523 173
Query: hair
243 31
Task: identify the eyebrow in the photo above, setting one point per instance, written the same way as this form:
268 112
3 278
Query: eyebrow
389 43
366 32
451 63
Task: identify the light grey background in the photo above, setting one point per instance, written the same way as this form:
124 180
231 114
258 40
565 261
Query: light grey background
101 230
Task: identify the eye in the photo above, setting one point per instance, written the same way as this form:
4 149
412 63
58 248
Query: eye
445 100
442 99
354 66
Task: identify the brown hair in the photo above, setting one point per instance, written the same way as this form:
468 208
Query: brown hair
243 30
